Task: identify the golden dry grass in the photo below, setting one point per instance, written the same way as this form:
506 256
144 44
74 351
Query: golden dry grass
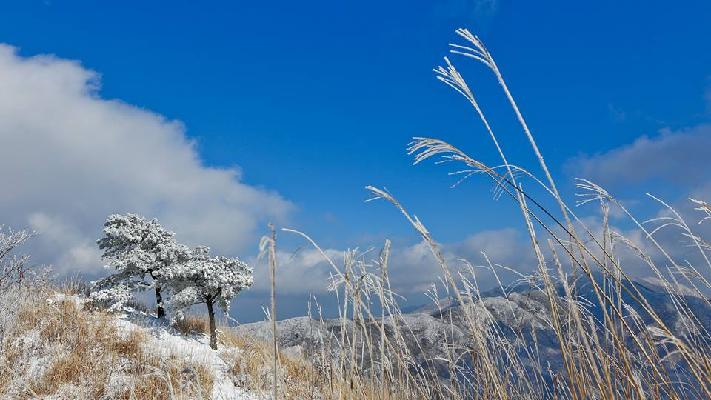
84 351
616 355
192 325
298 377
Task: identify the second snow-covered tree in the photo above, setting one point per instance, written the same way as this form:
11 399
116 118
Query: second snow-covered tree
205 279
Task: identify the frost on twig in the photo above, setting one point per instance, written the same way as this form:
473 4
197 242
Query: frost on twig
13 268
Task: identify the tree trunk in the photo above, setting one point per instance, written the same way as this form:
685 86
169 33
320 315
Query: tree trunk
213 328
159 301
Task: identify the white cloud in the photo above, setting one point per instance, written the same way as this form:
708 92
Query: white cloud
68 158
678 157
412 268
64 243
300 272
672 165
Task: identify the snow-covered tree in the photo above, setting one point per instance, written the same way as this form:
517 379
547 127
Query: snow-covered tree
206 279
137 248
12 267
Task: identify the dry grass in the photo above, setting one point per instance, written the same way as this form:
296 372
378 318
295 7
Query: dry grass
192 325
629 352
56 348
253 367
298 377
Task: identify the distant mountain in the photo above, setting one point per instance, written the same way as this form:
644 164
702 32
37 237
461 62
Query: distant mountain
523 312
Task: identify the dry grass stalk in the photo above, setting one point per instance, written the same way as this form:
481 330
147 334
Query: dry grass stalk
619 355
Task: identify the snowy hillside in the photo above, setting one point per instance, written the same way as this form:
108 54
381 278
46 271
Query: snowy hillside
165 342
55 348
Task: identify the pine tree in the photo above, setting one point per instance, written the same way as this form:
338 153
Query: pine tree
209 280
136 248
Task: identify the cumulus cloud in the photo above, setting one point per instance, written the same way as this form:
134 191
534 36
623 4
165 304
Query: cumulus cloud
68 158
678 157
672 165
412 268
302 271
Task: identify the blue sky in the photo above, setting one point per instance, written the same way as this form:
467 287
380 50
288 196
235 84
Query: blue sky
314 100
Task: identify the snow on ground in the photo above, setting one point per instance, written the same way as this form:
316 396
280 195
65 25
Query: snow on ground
166 342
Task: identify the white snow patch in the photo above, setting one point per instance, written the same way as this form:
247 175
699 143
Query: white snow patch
165 342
